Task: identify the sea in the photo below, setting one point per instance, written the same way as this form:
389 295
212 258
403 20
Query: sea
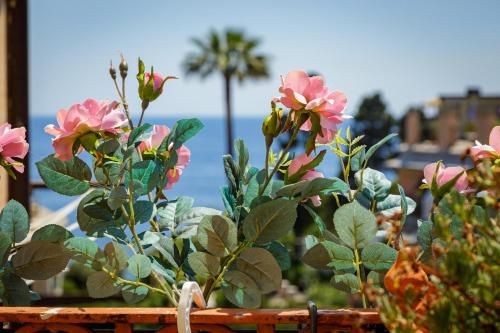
200 180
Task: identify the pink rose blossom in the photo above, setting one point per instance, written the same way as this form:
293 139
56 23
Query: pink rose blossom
303 92
480 151
444 175
13 145
299 162
90 116
154 141
157 81
183 153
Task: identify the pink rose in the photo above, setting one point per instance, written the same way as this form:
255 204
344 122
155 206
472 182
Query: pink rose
480 151
303 92
102 117
183 153
295 166
444 175
159 133
157 82
13 145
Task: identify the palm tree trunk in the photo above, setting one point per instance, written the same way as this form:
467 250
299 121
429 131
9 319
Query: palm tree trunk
229 117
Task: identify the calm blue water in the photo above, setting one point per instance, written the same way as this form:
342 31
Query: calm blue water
201 179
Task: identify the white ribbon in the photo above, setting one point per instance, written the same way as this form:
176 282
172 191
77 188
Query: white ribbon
190 292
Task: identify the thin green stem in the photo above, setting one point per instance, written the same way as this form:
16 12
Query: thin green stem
144 106
133 283
358 274
210 287
280 160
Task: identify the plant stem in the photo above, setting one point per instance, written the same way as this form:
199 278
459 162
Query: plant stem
358 274
124 101
144 106
276 167
133 283
210 287
137 241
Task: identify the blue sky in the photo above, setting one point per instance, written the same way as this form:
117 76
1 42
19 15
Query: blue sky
409 50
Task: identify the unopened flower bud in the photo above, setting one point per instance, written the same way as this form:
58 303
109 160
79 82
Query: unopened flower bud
271 127
112 71
123 68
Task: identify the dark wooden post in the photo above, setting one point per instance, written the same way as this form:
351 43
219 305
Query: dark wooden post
17 86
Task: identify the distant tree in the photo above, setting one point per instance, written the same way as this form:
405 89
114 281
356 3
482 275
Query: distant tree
231 54
374 121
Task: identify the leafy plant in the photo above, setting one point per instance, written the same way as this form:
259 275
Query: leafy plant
448 283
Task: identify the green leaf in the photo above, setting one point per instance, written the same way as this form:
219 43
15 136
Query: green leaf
166 247
40 260
187 223
117 197
97 208
217 235
146 173
292 190
378 256
346 282
319 185
88 224
70 177
161 269
457 227
228 199
101 285
241 290
316 219
404 205
109 147
270 221
375 278
16 291
280 253
317 256
14 221
374 184
182 131
327 255
355 225
134 294
140 266
5 245
261 266
204 264
243 156
144 211
85 251
424 238
137 135
393 204
116 255
304 168
232 172
358 159
379 144
53 233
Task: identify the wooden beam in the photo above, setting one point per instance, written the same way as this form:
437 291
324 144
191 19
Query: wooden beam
17 86
45 315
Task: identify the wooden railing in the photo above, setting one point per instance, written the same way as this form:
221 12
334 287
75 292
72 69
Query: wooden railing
163 320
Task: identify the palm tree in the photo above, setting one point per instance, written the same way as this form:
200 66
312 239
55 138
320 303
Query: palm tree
232 54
